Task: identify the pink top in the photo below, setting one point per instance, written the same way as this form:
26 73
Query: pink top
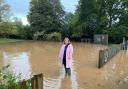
69 54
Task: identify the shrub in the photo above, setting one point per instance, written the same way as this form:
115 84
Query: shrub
55 36
24 32
39 36
7 78
116 34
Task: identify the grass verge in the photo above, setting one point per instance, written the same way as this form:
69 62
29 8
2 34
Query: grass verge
6 40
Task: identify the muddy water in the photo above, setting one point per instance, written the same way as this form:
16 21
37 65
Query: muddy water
30 58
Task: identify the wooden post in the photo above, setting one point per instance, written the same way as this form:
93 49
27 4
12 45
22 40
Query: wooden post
37 81
100 58
23 85
12 87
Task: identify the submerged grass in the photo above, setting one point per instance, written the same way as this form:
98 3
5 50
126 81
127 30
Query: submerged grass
115 45
6 40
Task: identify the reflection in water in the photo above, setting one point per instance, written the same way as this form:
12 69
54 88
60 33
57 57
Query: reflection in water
74 78
62 82
19 63
69 82
42 57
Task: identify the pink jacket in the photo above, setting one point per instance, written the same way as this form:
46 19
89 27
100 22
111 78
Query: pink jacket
69 54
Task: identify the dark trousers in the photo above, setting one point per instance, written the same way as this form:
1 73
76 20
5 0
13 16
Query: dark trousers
67 71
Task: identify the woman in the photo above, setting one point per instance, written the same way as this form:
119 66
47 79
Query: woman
66 52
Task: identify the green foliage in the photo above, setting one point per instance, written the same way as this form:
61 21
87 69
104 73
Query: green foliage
67 32
15 30
54 36
40 36
116 34
4 11
86 23
24 32
87 9
7 79
76 26
7 28
46 15
5 40
99 17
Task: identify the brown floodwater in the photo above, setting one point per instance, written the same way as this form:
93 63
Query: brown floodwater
30 58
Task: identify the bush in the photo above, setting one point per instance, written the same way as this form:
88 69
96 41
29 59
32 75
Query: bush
39 36
7 79
55 36
7 28
116 34
24 32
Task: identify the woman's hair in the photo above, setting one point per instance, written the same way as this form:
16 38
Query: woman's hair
68 40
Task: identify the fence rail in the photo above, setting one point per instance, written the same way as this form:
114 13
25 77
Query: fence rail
36 82
107 54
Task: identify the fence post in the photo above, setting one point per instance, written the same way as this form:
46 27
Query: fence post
12 87
37 81
100 58
23 85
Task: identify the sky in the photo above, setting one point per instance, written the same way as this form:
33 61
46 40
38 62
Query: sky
20 8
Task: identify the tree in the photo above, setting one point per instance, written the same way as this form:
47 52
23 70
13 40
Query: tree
67 32
102 19
4 10
123 19
113 11
23 31
77 31
87 17
7 29
117 11
46 16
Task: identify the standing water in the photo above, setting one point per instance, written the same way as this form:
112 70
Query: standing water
42 57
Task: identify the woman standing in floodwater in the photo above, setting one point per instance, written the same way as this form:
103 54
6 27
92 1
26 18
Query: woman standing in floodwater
66 52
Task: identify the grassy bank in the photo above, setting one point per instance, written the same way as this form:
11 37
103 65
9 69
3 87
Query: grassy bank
115 45
6 40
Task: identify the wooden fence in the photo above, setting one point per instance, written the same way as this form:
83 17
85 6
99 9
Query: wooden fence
36 82
107 54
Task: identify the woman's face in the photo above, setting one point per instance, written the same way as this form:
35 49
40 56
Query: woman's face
66 40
